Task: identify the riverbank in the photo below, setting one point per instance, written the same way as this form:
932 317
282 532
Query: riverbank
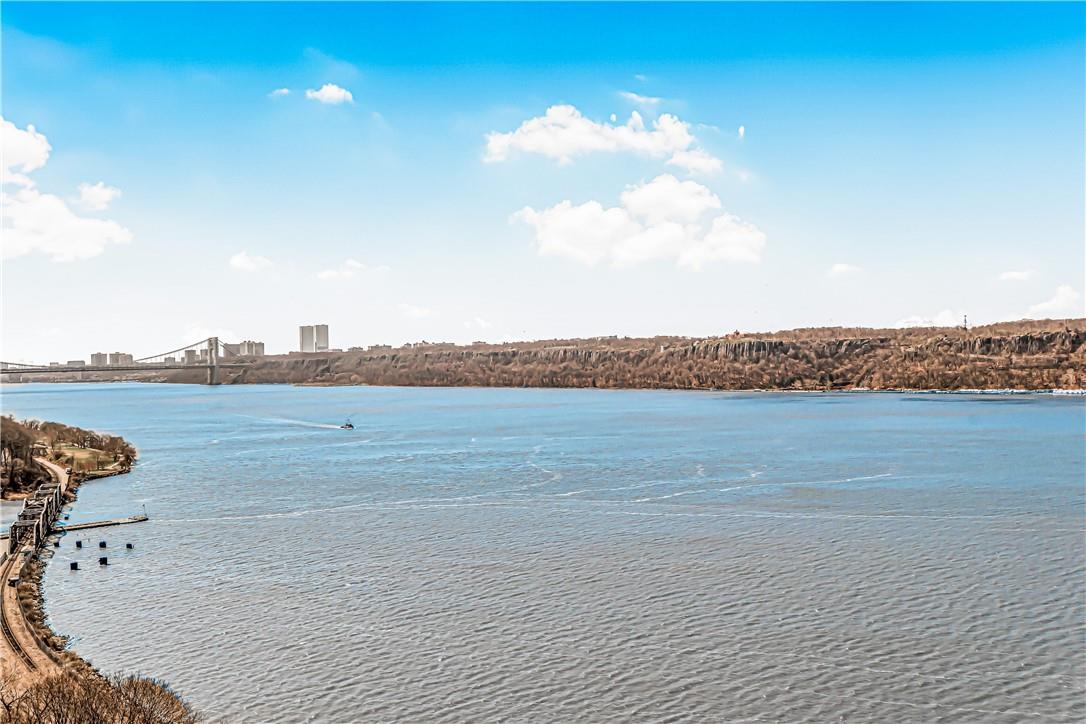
1022 355
85 453
41 678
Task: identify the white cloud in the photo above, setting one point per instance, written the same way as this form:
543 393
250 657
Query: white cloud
729 239
279 93
641 77
412 311
563 134
639 100
246 262
945 318
842 270
1065 301
330 93
696 161
663 219
97 197
36 222
585 233
666 198
1017 276
349 269
23 151
742 132
43 223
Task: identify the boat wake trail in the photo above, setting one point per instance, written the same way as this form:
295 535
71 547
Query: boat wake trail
293 422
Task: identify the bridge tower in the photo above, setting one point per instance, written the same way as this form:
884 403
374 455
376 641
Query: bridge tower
213 361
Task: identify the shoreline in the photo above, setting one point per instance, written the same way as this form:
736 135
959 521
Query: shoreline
1038 355
40 673
1055 391
31 591
13 497
30 594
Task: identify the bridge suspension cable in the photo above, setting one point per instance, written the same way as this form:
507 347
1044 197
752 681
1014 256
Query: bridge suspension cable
202 345
203 348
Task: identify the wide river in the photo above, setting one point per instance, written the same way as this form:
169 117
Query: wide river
582 555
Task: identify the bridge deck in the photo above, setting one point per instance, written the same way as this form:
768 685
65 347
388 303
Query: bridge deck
115 368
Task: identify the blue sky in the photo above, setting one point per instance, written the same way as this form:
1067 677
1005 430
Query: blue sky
897 164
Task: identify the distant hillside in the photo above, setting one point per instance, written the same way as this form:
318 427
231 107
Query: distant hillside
1025 355
1018 355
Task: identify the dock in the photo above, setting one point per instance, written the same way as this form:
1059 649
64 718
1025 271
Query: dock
100 523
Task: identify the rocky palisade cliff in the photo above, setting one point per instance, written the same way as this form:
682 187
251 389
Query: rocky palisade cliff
1015 355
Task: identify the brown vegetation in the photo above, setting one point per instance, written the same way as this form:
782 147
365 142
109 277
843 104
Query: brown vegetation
1026 355
1014 355
85 697
18 472
83 450
77 693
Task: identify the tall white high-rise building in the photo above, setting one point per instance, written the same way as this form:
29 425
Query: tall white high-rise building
313 338
306 339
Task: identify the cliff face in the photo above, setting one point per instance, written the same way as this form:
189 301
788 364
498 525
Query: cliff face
1045 355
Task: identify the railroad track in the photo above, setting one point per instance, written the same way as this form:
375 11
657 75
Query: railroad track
9 636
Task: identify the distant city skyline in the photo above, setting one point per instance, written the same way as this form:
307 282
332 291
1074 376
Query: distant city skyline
486 172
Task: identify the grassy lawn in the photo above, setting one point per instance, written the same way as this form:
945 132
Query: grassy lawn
86 458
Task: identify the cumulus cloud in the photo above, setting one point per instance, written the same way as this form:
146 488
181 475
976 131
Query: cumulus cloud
349 270
25 150
1064 302
664 219
842 270
563 134
36 222
666 198
1017 276
639 100
741 133
97 197
331 94
246 262
412 311
43 223
279 93
945 318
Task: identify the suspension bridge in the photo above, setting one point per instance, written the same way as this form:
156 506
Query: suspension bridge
210 354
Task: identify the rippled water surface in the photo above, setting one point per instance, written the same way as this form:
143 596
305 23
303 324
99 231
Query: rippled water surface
553 555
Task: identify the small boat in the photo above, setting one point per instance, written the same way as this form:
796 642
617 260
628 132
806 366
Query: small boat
347 425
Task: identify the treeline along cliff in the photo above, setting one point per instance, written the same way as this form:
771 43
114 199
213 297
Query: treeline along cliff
1018 355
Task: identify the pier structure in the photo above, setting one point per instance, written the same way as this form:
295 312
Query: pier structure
24 654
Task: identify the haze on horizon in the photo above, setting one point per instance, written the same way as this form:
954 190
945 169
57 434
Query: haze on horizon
501 172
